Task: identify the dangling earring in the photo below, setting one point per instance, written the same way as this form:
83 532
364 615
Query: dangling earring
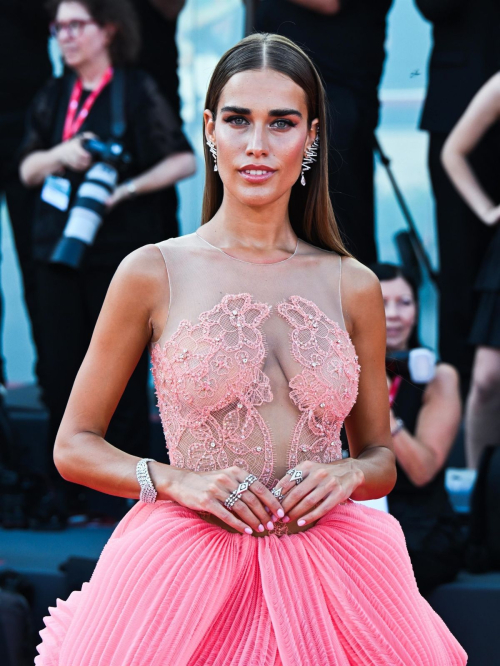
213 150
311 154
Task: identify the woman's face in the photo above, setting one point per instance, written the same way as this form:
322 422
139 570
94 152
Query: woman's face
400 312
80 39
261 133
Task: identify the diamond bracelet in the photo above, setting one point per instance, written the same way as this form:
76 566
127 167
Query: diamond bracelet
148 492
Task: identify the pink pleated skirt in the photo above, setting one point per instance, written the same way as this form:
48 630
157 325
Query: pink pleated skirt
171 589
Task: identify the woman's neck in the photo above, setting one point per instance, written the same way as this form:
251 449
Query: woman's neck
402 347
91 72
256 228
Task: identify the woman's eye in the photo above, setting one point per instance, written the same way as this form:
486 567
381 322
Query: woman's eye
283 124
236 120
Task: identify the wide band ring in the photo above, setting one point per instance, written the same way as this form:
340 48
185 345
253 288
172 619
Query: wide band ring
296 475
235 494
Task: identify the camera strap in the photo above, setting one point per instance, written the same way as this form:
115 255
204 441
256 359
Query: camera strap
117 85
74 121
393 391
118 124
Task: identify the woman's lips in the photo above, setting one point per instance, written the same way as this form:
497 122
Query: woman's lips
393 331
256 175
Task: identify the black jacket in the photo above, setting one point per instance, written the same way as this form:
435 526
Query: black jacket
152 134
466 53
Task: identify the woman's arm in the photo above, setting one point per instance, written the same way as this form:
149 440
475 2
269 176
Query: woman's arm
167 172
367 426
480 115
129 319
423 455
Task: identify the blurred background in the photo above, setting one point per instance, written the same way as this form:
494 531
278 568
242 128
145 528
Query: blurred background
440 278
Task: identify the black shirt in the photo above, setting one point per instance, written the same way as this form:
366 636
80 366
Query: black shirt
158 55
418 509
24 58
152 134
347 47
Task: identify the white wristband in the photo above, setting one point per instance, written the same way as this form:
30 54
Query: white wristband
148 492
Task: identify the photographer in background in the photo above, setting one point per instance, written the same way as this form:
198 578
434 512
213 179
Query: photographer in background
425 412
99 40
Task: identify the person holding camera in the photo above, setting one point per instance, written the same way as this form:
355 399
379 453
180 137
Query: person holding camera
425 413
101 144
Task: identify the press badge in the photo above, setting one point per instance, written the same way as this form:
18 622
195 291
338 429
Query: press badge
56 192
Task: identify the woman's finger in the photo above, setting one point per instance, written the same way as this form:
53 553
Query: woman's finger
308 503
328 503
246 514
228 517
266 498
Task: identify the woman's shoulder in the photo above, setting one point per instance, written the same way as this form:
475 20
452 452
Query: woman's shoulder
47 96
140 84
446 379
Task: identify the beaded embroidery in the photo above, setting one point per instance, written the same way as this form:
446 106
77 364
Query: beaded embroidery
209 383
327 388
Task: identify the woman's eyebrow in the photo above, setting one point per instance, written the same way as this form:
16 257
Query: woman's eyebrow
273 112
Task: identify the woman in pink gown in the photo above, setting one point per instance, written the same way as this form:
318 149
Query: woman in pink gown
265 335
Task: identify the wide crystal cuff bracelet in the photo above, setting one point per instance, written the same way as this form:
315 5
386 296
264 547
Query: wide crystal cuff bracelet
148 492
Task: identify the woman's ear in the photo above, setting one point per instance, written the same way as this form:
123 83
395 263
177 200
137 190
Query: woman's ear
312 133
111 30
208 119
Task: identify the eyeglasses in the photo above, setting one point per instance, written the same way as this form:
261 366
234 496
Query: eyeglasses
74 28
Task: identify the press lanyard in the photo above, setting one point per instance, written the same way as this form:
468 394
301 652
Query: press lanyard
393 391
72 124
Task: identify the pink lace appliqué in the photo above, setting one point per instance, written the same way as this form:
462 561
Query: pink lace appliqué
326 389
209 381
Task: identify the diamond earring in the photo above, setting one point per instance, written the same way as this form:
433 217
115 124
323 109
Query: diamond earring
213 150
311 155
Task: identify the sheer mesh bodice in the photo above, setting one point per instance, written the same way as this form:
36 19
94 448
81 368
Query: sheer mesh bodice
254 366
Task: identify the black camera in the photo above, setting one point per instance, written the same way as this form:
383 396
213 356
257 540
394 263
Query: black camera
85 217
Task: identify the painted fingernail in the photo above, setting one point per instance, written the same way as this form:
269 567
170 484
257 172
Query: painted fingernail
286 519
270 525
261 528
267 509
301 522
281 513
274 518
248 530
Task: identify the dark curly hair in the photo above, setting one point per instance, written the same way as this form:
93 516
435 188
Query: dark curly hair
125 45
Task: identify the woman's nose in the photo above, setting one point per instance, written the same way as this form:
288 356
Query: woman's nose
257 144
391 311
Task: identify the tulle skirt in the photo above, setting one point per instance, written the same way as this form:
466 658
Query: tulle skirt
171 589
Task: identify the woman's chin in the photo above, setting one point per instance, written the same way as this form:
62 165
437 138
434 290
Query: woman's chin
257 195
72 60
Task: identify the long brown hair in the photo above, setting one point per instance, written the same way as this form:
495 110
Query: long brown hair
310 209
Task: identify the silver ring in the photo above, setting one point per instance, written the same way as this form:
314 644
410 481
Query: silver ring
231 500
235 494
278 493
296 475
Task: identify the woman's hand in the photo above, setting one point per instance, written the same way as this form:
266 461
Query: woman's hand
207 491
72 154
491 216
120 194
322 488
